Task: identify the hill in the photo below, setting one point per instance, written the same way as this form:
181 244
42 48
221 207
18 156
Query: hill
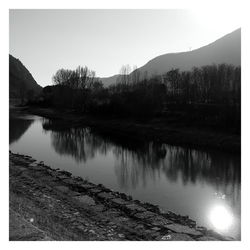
224 50
20 79
109 80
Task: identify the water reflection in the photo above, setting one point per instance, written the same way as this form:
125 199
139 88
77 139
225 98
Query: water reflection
17 127
204 185
149 161
78 143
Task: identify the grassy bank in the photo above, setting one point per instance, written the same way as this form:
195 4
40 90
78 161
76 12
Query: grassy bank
159 130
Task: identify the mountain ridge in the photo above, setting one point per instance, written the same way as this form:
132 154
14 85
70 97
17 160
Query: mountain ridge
20 79
226 49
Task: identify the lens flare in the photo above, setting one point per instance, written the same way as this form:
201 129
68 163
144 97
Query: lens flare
221 218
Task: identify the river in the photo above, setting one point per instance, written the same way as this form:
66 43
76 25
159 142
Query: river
205 185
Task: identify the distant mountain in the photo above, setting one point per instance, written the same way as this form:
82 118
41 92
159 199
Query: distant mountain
20 79
109 80
224 50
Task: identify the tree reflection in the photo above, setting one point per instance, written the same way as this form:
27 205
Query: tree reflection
78 143
141 162
191 166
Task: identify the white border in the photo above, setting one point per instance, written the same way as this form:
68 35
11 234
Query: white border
209 5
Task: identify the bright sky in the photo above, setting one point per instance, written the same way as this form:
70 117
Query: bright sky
104 40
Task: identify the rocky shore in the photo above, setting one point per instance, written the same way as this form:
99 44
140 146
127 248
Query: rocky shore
50 204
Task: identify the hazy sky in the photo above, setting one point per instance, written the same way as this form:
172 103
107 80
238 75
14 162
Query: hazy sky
104 40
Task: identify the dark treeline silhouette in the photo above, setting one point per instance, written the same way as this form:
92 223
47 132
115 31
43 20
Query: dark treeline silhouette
75 89
210 95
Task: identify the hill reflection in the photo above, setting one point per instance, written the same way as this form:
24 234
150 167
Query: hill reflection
17 127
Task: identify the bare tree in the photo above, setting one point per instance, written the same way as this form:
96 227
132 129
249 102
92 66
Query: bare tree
135 75
125 74
62 77
80 78
90 79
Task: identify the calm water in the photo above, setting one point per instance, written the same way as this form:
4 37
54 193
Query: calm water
204 185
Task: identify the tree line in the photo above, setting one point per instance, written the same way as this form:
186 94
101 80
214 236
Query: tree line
217 84
210 94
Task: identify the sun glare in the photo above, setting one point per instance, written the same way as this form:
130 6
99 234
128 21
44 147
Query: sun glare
216 21
221 218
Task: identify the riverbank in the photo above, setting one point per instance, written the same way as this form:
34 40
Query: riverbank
155 130
53 205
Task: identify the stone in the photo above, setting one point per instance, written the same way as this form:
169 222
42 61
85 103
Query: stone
119 201
87 186
122 219
95 190
216 235
177 228
22 169
78 178
144 215
48 178
201 229
174 237
228 238
159 221
73 193
86 200
98 208
105 196
33 164
135 208
155 234
112 213
65 172
206 238
82 228
62 176
38 168
53 173
148 231
62 189
69 181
